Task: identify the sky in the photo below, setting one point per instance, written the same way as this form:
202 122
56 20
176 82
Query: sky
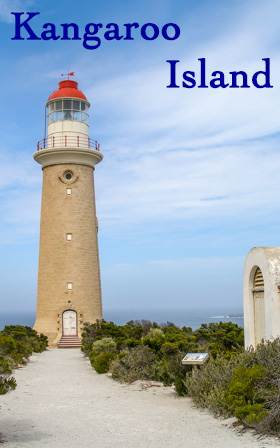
190 177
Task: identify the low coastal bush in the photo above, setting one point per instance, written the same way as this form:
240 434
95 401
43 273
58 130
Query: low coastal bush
137 363
146 350
241 394
6 383
268 386
102 362
17 343
246 386
234 382
105 345
207 385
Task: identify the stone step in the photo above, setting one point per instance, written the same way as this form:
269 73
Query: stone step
70 338
69 342
69 345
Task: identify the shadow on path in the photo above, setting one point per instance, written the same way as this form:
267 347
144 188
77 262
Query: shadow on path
21 431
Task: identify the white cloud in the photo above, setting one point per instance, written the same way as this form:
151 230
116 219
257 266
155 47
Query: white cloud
20 192
8 6
138 105
233 183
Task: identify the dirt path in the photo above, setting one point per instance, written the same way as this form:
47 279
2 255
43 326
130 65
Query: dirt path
60 401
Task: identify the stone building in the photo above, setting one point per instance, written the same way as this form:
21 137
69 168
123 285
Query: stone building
261 295
69 288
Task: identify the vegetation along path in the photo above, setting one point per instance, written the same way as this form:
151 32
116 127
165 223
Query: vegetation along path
61 401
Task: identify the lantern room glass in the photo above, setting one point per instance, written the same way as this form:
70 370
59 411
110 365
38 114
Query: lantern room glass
68 110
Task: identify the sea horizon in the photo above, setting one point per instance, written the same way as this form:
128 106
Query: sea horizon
183 317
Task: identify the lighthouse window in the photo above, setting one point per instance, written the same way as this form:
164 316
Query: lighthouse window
58 105
76 116
68 175
67 104
67 115
72 110
58 116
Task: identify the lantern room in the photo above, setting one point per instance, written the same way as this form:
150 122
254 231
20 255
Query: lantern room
67 126
67 112
67 109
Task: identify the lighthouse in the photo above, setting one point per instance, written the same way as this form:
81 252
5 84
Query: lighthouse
69 287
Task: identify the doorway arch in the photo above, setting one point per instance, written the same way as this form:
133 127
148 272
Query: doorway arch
69 323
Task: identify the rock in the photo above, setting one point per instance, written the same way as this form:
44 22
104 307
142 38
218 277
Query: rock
144 384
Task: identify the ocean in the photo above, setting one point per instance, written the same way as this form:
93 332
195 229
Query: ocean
188 318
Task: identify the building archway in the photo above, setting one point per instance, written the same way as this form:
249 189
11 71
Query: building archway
69 323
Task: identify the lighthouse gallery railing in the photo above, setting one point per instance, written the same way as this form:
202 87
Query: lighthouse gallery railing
66 141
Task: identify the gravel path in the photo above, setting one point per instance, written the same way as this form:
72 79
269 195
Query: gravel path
61 401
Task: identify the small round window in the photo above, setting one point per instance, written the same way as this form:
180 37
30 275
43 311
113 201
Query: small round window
68 175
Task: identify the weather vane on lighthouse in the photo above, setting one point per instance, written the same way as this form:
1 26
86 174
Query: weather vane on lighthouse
68 74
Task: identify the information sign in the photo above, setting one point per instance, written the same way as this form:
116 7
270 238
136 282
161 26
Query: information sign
195 358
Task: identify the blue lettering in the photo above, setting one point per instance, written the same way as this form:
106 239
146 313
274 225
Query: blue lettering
173 74
25 25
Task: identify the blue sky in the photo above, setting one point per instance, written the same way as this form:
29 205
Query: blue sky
190 177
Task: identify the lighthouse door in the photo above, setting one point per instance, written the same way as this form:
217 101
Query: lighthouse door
69 323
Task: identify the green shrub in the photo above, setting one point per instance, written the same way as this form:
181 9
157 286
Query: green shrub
105 345
224 338
132 342
16 343
169 348
208 383
138 363
155 333
167 342
154 339
268 355
104 329
241 394
102 362
6 383
180 385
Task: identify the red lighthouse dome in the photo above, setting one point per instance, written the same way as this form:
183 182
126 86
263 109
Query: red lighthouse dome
67 88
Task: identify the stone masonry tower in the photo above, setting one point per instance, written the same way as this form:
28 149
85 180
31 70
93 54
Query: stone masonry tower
69 289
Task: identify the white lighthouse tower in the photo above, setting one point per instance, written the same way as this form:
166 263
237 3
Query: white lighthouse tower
69 288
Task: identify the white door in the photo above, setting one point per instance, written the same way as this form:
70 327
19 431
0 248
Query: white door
69 323
259 311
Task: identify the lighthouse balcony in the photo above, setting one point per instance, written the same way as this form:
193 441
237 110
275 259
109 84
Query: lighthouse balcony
65 141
